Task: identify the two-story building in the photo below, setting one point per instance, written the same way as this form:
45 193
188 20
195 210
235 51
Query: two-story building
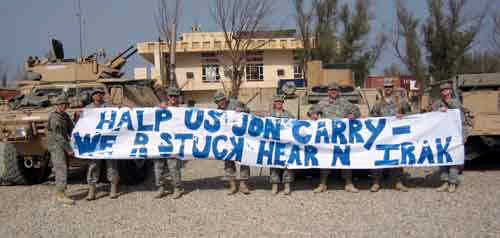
202 61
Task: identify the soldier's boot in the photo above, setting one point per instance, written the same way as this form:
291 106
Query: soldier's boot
160 192
376 185
452 188
232 187
274 189
322 184
400 186
92 192
61 197
443 188
244 187
114 188
288 189
349 186
178 191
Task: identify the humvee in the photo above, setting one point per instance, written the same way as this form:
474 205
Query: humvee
24 157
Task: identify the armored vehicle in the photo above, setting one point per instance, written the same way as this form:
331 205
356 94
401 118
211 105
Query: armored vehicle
480 97
24 158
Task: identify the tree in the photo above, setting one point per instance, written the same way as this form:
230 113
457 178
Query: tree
393 70
304 18
240 21
446 35
496 32
167 20
343 35
3 74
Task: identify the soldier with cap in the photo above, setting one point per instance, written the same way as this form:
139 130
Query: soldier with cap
449 174
173 164
335 108
390 104
95 165
223 103
285 176
59 128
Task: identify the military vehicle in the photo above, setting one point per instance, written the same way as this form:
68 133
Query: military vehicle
480 97
24 158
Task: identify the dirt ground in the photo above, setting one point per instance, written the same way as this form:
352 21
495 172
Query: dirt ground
206 211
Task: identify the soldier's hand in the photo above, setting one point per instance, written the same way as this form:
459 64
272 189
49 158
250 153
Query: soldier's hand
70 153
350 116
443 109
163 105
399 116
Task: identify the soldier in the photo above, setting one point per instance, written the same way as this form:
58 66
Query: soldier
278 175
390 105
449 174
335 108
173 164
223 103
95 165
59 133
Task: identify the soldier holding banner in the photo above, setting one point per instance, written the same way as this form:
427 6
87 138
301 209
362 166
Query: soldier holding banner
278 175
59 128
390 104
95 164
223 103
449 174
173 164
335 108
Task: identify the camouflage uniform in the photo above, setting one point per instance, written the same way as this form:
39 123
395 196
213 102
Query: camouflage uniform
388 106
59 129
337 109
173 164
281 175
95 165
449 174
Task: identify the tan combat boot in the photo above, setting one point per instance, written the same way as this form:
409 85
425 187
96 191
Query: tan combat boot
114 188
322 184
443 188
92 192
288 189
232 187
160 192
178 191
376 185
452 188
274 189
61 197
400 186
349 186
244 188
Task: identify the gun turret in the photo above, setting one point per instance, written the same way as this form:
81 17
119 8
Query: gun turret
118 61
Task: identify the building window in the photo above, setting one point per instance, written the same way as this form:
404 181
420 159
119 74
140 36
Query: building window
210 73
298 71
254 72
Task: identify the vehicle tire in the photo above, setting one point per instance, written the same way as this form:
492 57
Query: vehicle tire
10 167
133 172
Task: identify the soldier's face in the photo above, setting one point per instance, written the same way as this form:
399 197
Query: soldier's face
221 103
333 93
62 107
388 90
314 116
98 97
446 93
173 100
278 105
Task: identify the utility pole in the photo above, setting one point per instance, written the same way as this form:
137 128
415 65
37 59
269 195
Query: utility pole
173 45
79 14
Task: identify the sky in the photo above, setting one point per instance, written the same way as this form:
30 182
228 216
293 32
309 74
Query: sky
113 25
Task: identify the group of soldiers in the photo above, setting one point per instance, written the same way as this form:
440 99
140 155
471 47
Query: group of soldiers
334 107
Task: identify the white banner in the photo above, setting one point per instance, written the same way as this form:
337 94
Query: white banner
430 139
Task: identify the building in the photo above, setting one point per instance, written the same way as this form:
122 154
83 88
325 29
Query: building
202 64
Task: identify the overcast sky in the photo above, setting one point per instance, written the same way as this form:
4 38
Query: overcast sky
113 25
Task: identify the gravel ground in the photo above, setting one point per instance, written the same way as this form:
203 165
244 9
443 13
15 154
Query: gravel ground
206 211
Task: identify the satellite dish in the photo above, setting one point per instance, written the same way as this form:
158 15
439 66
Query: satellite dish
288 88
